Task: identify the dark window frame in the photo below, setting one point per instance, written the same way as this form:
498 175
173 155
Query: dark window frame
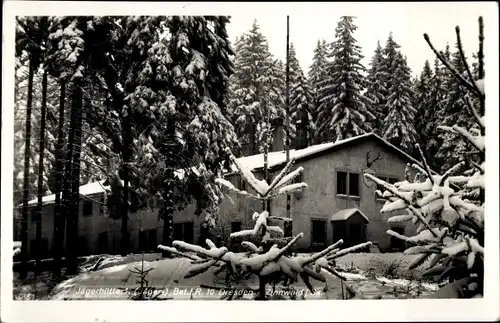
345 190
181 234
350 186
314 236
341 188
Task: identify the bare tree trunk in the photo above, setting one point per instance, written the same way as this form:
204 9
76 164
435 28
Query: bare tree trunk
168 207
252 139
72 242
27 155
125 239
39 209
58 217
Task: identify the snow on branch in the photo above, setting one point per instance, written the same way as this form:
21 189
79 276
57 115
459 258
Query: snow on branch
281 175
477 142
261 187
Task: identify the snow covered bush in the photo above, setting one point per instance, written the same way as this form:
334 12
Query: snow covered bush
269 256
448 208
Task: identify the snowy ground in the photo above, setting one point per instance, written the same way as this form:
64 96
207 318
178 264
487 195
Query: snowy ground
371 275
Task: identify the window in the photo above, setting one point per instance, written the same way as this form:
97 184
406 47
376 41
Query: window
87 208
347 183
235 226
342 183
353 184
318 232
288 228
184 232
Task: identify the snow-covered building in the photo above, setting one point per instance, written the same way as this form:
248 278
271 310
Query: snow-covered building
338 204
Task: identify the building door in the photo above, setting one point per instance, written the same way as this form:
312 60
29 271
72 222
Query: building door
356 234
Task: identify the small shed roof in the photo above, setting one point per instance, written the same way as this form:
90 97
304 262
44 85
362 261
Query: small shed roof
345 214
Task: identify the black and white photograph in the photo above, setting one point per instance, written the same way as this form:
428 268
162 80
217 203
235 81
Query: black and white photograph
228 154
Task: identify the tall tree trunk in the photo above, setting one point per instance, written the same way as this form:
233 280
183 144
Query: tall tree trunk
65 208
167 210
125 239
72 242
27 155
39 209
58 217
252 139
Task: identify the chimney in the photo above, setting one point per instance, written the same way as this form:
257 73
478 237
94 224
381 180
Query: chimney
278 143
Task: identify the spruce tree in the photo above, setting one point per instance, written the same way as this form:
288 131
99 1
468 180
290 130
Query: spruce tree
448 208
387 71
422 91
257 77
343 109
375 90
398 125
186 135
301 103
317 74
453 112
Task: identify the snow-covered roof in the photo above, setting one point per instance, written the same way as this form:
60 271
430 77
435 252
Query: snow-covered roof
87 189
345 214
277 158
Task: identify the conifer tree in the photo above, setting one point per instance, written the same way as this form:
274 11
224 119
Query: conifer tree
387 70
317 74
256 75
301 103
431 117
398 125
344 110
448 208
453 112
375 90
422 95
